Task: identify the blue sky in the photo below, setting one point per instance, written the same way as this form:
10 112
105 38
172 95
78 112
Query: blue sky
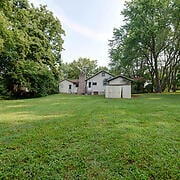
88 26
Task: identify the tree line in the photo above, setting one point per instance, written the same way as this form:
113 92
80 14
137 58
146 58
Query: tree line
147 46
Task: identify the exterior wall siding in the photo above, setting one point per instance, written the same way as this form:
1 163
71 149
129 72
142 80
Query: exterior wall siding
99 79
64 87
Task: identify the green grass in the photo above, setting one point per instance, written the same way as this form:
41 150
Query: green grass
89 137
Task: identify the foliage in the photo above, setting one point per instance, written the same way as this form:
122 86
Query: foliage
89 137
138 85
3 90
101 68
177 80
72 70
148 43
64 69
32 79
29 36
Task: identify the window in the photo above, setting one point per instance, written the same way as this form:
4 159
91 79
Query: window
77 85
105 82
69 86
94 83
89 85
103 74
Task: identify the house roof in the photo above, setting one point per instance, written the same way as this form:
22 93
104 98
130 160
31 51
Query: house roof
99 73
74 81
124 77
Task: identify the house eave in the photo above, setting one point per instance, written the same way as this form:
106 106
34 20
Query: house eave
99 73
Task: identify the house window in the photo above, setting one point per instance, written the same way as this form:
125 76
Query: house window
105 82
77 85
103 74
89 85
94 83
70 86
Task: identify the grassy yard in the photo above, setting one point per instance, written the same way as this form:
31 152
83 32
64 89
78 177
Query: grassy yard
89 137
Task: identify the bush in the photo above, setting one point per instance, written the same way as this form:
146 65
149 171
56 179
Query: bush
32 79
3 89
148 88
138 85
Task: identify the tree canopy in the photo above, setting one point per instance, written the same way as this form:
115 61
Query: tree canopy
73 69
147 45
81 65
30 48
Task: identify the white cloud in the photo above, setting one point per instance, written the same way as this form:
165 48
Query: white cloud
83 30
72 25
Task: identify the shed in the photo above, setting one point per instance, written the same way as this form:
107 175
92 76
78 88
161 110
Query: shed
118 87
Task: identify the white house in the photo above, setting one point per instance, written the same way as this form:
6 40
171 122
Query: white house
95 85
118 87
68 86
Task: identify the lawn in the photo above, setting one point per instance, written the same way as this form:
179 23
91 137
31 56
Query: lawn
89 137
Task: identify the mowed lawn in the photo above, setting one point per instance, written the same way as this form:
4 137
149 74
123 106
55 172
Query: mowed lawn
90 137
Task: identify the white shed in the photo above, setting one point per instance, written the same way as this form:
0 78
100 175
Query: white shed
118 87
68 86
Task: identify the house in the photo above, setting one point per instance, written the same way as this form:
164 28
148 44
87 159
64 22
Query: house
98 84
118 87
69 86
77 86
92 85
95 85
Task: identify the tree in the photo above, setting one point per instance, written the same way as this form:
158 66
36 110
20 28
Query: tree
33 36
81 65
73 70
148 43
101 68
32 79
64 69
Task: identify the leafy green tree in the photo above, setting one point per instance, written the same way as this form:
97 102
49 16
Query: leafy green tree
64 69
32 79
33 36
101 68
45 38
81 65
148 42
73 70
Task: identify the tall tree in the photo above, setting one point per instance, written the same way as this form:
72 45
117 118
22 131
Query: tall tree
149 40
33 36
81 65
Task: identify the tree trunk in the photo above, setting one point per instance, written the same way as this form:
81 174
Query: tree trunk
152 80
157 80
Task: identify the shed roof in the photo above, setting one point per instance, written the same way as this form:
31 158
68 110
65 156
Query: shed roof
124 77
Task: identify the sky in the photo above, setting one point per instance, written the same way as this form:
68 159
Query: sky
88 25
